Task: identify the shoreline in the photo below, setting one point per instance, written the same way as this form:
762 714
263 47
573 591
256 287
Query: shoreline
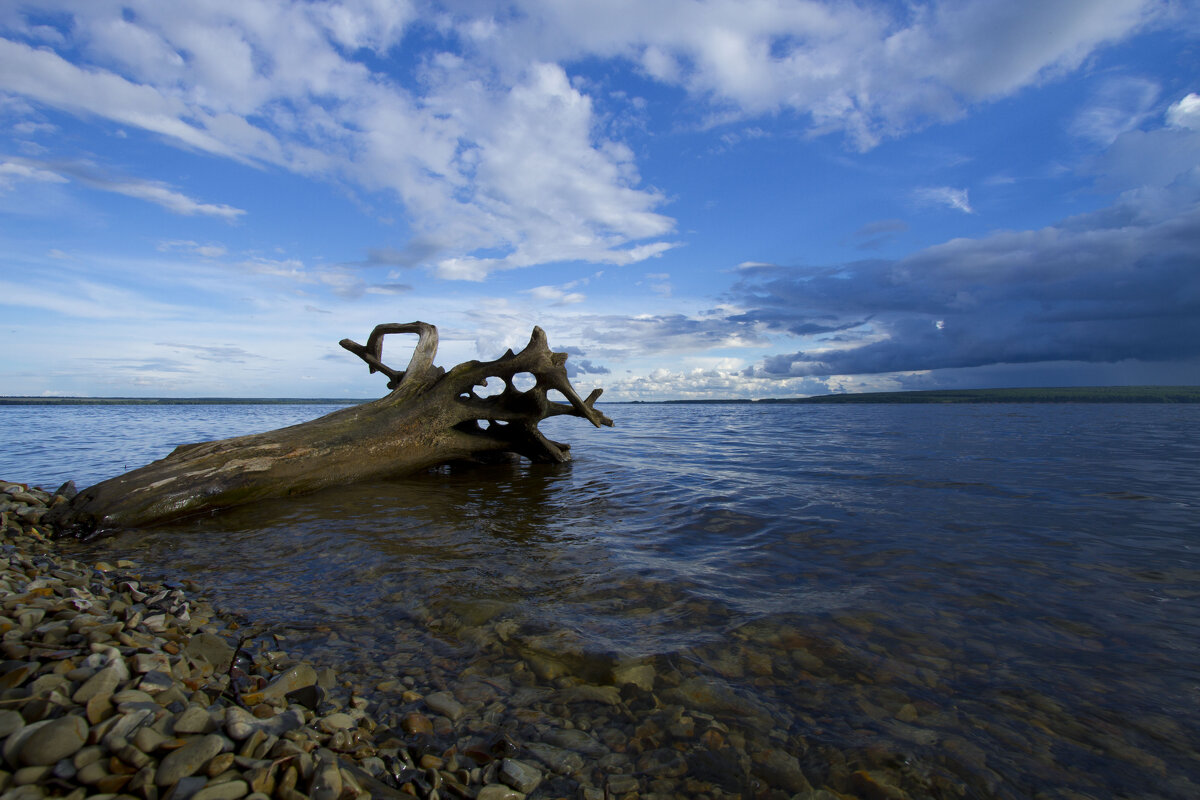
114 686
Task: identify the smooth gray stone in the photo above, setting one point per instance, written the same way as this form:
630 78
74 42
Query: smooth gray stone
444 703
188 760
61 738
240 724
519 775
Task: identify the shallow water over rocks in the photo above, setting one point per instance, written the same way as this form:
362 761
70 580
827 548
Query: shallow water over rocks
983 601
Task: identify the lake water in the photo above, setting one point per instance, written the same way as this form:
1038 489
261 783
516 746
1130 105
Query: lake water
979 601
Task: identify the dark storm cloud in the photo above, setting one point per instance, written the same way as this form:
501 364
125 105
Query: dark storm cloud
586 367
1120 283
578 365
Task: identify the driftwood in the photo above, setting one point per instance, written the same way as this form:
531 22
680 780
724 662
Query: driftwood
431 417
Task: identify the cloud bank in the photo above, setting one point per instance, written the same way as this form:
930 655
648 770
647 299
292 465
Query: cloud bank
499 155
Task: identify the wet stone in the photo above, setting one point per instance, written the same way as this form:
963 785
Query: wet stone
211 648
445 704
519 775
496 791
292 679
416 723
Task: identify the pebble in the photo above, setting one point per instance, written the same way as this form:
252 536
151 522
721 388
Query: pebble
59 739
519 775
188 760
444 703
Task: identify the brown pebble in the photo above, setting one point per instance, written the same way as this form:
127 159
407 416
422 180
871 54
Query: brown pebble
99 708
289 779
416 723
219 764
112 784
263 711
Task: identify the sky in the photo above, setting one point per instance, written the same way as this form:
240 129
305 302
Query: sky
694 198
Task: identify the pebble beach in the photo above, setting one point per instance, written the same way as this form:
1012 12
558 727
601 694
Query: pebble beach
117 686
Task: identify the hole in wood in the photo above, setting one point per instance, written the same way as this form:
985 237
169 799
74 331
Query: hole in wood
490 388
524 381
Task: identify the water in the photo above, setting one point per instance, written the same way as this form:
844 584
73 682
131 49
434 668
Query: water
981 601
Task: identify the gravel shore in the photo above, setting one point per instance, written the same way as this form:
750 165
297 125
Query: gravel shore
114 686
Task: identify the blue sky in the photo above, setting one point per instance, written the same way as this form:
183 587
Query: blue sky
714 198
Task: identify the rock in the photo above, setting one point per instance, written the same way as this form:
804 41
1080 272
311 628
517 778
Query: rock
296 677
193 719
556 759
103 682
155 682
577 740
663 764
327 778
14 743
587 693
239 723
640 675
187 760
308 696
519 775
60 738
229 790
211 648
10 722
416 723
496 791
337 721
873 787
186 789
781 770
444 703
622 784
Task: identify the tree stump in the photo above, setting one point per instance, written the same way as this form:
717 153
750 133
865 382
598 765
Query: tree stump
430 417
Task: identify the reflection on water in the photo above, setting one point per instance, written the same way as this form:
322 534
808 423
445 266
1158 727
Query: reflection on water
984 601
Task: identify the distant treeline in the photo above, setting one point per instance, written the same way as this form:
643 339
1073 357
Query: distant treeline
1070 394
175 401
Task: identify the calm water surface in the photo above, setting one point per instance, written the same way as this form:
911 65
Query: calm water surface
982 601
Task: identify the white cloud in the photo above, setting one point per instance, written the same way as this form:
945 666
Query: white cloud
168 198
188 246
151 191
945 195
555 295
1120 105
13 171
869 70
479 163
1185 113
499 160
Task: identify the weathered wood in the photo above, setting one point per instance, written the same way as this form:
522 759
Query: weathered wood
430 417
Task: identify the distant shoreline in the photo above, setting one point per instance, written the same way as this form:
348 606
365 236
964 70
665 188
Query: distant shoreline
1069 394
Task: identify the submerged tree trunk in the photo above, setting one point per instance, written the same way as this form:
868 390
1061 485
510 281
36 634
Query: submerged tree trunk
430 417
